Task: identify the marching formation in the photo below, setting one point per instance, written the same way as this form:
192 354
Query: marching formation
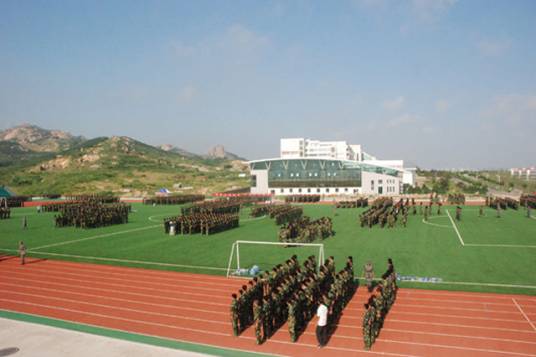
302 198
204 223
173 200
290 293
383 211
360 202
305 230
378 305
91 214
218 206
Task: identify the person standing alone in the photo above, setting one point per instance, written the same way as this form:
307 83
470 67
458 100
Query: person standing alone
321 326
22 252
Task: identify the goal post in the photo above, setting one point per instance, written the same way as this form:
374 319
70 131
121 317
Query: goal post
234 256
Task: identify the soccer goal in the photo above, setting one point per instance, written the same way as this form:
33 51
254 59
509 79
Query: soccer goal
265 255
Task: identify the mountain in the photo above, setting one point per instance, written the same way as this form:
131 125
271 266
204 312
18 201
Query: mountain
35 139
218 152
176 150
120 165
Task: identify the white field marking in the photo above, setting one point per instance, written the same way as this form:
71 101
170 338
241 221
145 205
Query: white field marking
94 237
477 284
459 325
25 280
435 224
253 219
403 305
125 260
429 333
524 315
113 269
500 245
116 307
152 279
446 316
122 285
141 302
455 228
110 280
459 348
143 334
183 328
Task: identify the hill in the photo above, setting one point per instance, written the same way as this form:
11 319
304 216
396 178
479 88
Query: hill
218 152
119 165
32 138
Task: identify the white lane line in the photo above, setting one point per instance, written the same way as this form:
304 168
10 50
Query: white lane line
435 224
93 237
111 280
123 260
455 228
7 292
500 245
459 348
119 292
523 313
139 302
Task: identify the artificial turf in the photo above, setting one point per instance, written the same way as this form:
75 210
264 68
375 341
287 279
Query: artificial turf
430 249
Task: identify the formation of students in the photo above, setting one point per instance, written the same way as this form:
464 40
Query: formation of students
378 305
305 230
203 223
302 198
290 293
384 212
91 214
207 207
360 202
173 200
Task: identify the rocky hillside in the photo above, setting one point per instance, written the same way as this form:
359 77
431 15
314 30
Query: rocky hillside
119 165
32 138
218 152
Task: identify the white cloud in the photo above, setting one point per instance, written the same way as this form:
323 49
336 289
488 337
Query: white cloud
404 119
394 104
431 10
513 109
187 94
493 47
442 105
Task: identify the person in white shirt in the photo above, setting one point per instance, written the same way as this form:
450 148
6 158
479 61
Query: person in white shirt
321 326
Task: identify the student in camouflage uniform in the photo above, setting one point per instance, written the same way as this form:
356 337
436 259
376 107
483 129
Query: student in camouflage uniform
481 211
258 317
458 213
234 315
368 323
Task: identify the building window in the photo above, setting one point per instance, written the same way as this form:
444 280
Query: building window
310 174
380 182
308 190
290 190
329 174
337 190
318 190
297 174
291 174
316 174
334 174
327 190
346 189
282 191
272 192
299 190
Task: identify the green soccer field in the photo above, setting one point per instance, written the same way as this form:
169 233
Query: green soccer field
497 254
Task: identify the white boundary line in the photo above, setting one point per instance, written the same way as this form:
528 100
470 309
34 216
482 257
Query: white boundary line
435 224
94 237
455 228
122 260
500 245
525 315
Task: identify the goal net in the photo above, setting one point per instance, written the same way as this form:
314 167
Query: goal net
247 258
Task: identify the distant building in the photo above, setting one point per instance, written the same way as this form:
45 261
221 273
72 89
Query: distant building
308 166
524 173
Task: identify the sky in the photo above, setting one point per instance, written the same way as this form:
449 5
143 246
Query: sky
438 83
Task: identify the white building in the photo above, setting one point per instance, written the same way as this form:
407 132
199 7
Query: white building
524 173
308 166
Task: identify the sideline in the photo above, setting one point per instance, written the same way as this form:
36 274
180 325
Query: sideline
455 228
122 260
94 237
524 315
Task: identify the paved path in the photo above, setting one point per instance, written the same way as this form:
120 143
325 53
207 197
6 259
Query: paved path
44 341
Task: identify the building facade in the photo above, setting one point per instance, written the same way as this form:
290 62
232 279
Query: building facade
524 173
297 176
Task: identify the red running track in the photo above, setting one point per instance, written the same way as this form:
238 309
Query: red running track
195 308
